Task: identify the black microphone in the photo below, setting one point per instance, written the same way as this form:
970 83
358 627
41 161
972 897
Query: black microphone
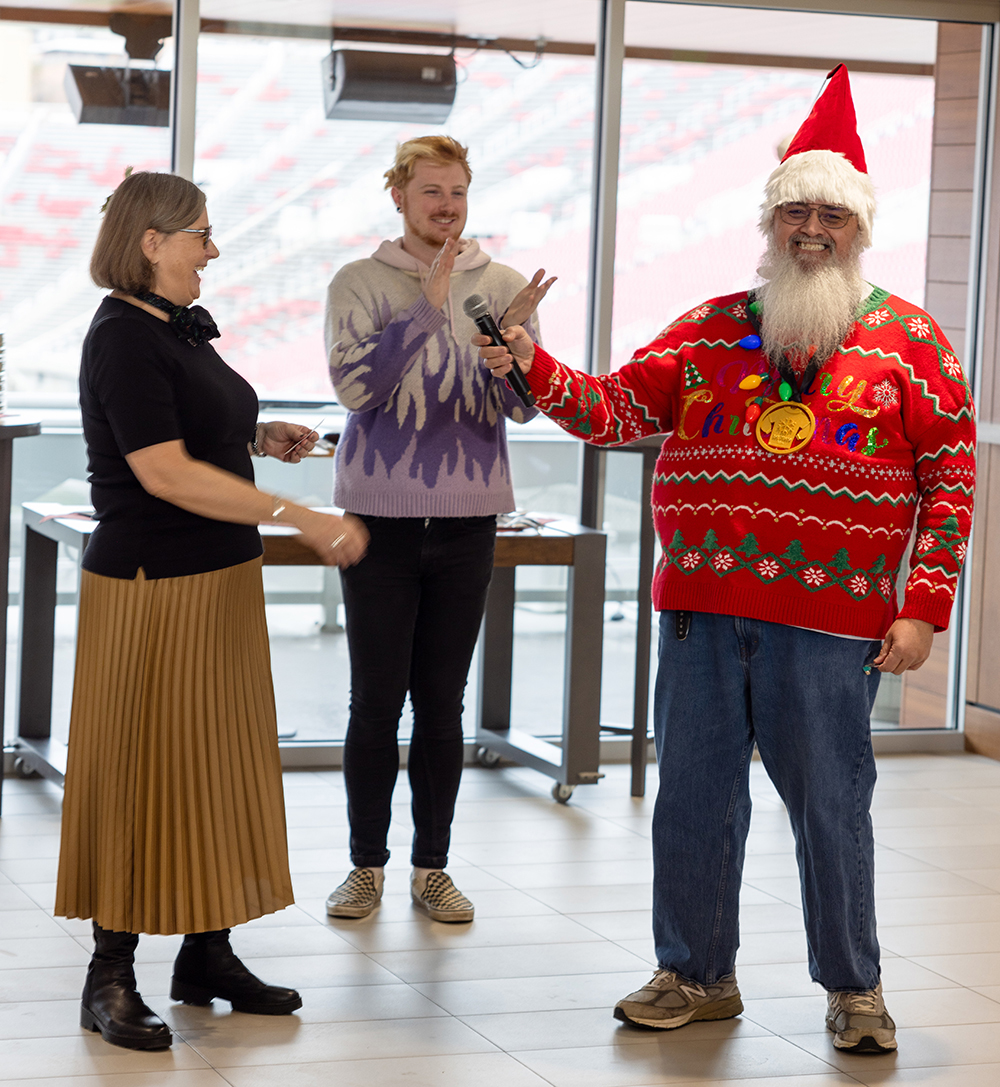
475 308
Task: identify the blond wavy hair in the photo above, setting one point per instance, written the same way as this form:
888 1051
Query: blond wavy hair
439 150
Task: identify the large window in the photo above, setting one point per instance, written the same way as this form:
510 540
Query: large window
698 141
293 196
54 176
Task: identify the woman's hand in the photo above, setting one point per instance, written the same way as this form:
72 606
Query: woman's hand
500 360
526 300
289 442
338 541
438 280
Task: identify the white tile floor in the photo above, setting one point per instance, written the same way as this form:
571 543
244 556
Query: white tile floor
523 995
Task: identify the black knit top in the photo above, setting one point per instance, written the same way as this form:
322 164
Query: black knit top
139 386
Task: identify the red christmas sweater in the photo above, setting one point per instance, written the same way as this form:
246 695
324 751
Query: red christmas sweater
812 538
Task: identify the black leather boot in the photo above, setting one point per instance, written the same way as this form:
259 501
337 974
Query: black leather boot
110 1002
206 967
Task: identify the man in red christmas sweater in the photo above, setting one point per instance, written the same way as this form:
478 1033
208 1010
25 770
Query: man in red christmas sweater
813 425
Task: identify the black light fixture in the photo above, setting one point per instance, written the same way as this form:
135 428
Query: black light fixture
364 85
124 96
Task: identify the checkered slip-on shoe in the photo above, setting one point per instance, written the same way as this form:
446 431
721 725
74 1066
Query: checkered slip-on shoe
860 1022
670 1001
357 896
442 900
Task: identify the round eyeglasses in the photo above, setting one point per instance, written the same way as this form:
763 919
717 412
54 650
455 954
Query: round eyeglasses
204 231
829 215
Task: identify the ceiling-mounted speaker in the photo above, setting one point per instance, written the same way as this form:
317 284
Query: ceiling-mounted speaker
124 96
362 85
118 96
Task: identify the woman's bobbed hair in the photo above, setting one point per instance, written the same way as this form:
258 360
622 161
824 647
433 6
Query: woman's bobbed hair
143 201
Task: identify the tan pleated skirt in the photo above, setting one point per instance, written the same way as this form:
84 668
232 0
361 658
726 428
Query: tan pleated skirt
173 819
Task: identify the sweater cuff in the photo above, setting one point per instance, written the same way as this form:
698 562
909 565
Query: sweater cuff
539 377
935 609
426 317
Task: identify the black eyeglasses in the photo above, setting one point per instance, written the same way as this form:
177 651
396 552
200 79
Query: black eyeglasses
829 215
204 231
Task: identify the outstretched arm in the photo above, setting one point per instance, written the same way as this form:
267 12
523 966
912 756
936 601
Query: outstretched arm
612 409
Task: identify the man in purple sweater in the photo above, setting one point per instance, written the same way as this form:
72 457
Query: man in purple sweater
423 462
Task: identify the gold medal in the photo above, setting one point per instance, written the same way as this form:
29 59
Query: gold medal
785 427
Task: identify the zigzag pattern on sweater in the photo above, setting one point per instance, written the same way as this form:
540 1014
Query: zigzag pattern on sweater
968 448
799 518
781 481
687 344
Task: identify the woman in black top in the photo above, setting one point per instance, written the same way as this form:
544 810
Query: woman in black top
173 815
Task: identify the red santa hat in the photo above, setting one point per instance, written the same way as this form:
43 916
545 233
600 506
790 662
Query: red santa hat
825 161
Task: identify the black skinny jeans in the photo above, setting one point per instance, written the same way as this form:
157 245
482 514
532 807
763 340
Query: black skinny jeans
414 605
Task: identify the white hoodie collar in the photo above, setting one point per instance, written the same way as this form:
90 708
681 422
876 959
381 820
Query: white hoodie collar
469 256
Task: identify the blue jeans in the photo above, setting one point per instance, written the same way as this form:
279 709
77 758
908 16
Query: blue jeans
805 700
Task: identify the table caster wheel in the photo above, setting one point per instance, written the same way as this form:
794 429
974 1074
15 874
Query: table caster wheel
486 757
562 793
23 770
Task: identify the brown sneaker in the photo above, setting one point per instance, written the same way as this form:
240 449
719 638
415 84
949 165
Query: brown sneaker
860 1022
670 1001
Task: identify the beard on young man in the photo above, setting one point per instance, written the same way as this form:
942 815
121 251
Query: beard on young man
808 306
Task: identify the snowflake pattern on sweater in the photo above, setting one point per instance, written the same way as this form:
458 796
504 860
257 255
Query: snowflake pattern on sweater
813 538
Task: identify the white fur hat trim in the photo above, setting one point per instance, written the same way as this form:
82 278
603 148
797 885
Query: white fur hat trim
815 176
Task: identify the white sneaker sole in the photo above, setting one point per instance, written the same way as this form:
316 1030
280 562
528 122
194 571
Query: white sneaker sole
447 916
728 1008
336 909
878 1041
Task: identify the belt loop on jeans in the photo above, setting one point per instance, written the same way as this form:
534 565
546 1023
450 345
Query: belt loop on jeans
683 624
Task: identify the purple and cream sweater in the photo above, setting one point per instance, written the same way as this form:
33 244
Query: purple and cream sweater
426 432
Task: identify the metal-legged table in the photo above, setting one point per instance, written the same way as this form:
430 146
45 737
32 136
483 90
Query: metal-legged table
639 731
576 762
12 425
576 759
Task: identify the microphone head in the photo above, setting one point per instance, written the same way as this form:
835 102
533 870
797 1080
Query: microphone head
475 307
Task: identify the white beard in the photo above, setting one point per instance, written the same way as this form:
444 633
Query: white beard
807 304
